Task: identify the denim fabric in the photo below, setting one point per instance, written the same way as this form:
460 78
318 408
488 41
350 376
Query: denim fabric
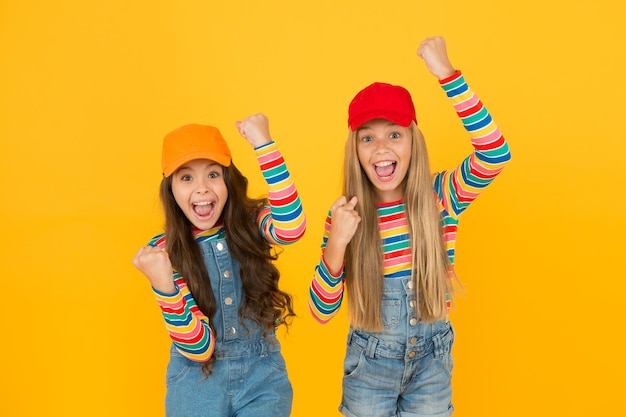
249 376
403 371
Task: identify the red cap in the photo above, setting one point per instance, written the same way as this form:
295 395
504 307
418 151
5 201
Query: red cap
191 142
381 101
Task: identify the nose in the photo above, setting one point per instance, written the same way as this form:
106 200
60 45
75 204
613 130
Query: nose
380 145
202 187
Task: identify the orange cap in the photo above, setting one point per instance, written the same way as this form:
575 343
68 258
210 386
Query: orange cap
191 142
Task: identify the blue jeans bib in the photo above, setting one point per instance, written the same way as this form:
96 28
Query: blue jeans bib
405 370
249 376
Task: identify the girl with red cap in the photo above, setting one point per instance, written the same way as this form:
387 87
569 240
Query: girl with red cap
212 275
390 240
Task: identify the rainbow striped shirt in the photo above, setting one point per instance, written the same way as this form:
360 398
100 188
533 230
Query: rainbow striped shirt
455 190
281 222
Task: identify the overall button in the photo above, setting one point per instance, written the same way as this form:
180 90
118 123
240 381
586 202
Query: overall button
411 354
228 301
413 340
232 331
410 285
226 274
220 246
413 321
412 303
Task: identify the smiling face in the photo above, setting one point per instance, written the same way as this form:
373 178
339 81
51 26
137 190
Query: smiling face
200 192
384 150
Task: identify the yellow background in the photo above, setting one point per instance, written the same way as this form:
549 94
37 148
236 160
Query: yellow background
88 89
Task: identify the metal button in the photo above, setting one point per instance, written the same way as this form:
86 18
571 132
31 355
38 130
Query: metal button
228 301
413 321
412 303
413 340
226 274
220 246
411 354
410 285
232 330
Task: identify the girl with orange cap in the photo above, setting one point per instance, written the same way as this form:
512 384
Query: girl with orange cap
212 274
390 239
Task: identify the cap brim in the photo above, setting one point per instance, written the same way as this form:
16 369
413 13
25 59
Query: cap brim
399 119
221 159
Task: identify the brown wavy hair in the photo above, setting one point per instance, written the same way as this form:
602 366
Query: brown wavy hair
264 303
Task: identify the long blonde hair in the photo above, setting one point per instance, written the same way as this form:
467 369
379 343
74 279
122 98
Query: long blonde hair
363 261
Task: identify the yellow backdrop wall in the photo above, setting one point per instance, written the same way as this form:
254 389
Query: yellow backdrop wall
88 89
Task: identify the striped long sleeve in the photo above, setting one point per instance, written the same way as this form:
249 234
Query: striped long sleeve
283 221
326 290
187 326
455 190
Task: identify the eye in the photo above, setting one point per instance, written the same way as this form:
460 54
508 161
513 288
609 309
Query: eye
395 135
366 139
214 174
185 177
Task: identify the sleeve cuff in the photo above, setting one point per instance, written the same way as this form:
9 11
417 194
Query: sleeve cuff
165 295
264 149
332 275
453 77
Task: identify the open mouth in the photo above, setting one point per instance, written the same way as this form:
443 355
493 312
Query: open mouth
385 169
203 209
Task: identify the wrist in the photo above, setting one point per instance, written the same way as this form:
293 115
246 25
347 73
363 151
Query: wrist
165 288
452 76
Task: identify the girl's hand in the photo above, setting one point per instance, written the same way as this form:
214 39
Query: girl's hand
255 129
433 52
345 220
157 267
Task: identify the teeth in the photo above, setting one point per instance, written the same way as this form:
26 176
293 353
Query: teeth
383 164
202 203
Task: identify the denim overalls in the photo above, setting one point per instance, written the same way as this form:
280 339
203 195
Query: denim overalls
249 376
405 370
